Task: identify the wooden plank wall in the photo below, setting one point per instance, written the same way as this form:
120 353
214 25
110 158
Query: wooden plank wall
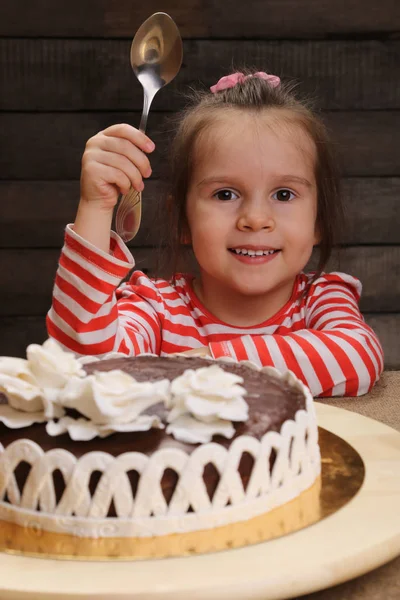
64 75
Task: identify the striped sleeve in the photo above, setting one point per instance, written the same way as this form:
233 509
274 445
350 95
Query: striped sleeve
88 314
336 354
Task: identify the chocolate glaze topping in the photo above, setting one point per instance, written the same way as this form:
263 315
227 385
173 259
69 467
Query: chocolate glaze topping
271 402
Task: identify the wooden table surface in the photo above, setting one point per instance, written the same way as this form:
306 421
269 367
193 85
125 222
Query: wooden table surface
381 404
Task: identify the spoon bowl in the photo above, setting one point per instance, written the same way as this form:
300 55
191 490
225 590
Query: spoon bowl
156 57
157 50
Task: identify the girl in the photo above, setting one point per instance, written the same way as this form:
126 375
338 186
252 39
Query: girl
254 189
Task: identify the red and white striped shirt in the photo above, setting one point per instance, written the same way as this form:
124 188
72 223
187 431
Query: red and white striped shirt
320 335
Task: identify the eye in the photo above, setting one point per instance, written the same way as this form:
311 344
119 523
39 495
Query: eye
284 195
226 195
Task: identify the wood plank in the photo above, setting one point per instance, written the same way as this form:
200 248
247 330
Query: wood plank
34 213
365 142
28 275
17 332
49 146
68 75
372 209
198 18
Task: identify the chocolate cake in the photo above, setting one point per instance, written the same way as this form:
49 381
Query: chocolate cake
148 484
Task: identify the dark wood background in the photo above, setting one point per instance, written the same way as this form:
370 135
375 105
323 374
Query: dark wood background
65 74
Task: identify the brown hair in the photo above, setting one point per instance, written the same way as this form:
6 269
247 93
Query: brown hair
252 95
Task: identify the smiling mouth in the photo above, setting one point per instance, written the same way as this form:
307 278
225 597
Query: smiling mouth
248 252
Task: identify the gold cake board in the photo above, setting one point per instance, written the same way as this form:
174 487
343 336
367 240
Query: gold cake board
292 516
362 535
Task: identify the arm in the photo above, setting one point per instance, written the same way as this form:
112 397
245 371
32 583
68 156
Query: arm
89 315
336 354
84 316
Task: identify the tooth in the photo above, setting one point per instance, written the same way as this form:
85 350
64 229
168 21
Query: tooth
259 252
243 251
251 252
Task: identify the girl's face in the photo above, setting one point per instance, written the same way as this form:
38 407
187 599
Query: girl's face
251 209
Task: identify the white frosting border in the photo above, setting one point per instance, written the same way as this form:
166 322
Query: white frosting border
148 515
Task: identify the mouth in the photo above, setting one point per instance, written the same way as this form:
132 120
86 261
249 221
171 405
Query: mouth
254 252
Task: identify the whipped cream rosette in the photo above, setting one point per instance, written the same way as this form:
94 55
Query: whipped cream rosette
23 404
111 401
31 386
204 402
19 385
51 365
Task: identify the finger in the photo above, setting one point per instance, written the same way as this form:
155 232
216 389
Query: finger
118 161
135 136
130 151
111 175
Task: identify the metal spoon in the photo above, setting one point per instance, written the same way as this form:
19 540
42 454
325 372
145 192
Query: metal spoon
156 57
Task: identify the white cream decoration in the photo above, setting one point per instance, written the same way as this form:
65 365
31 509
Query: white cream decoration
16 367
40 388
203 402
21 394
51 406
111 401
26 402
25 394
208 393
19 385
112 397
51 365
15 419
78 429
213 397
189 430
84 430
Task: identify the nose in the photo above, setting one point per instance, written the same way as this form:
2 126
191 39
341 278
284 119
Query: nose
255 215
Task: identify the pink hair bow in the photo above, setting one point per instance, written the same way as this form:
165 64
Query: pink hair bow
229 81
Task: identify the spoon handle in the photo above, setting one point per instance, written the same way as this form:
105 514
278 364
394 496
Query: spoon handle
147 100
129 211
